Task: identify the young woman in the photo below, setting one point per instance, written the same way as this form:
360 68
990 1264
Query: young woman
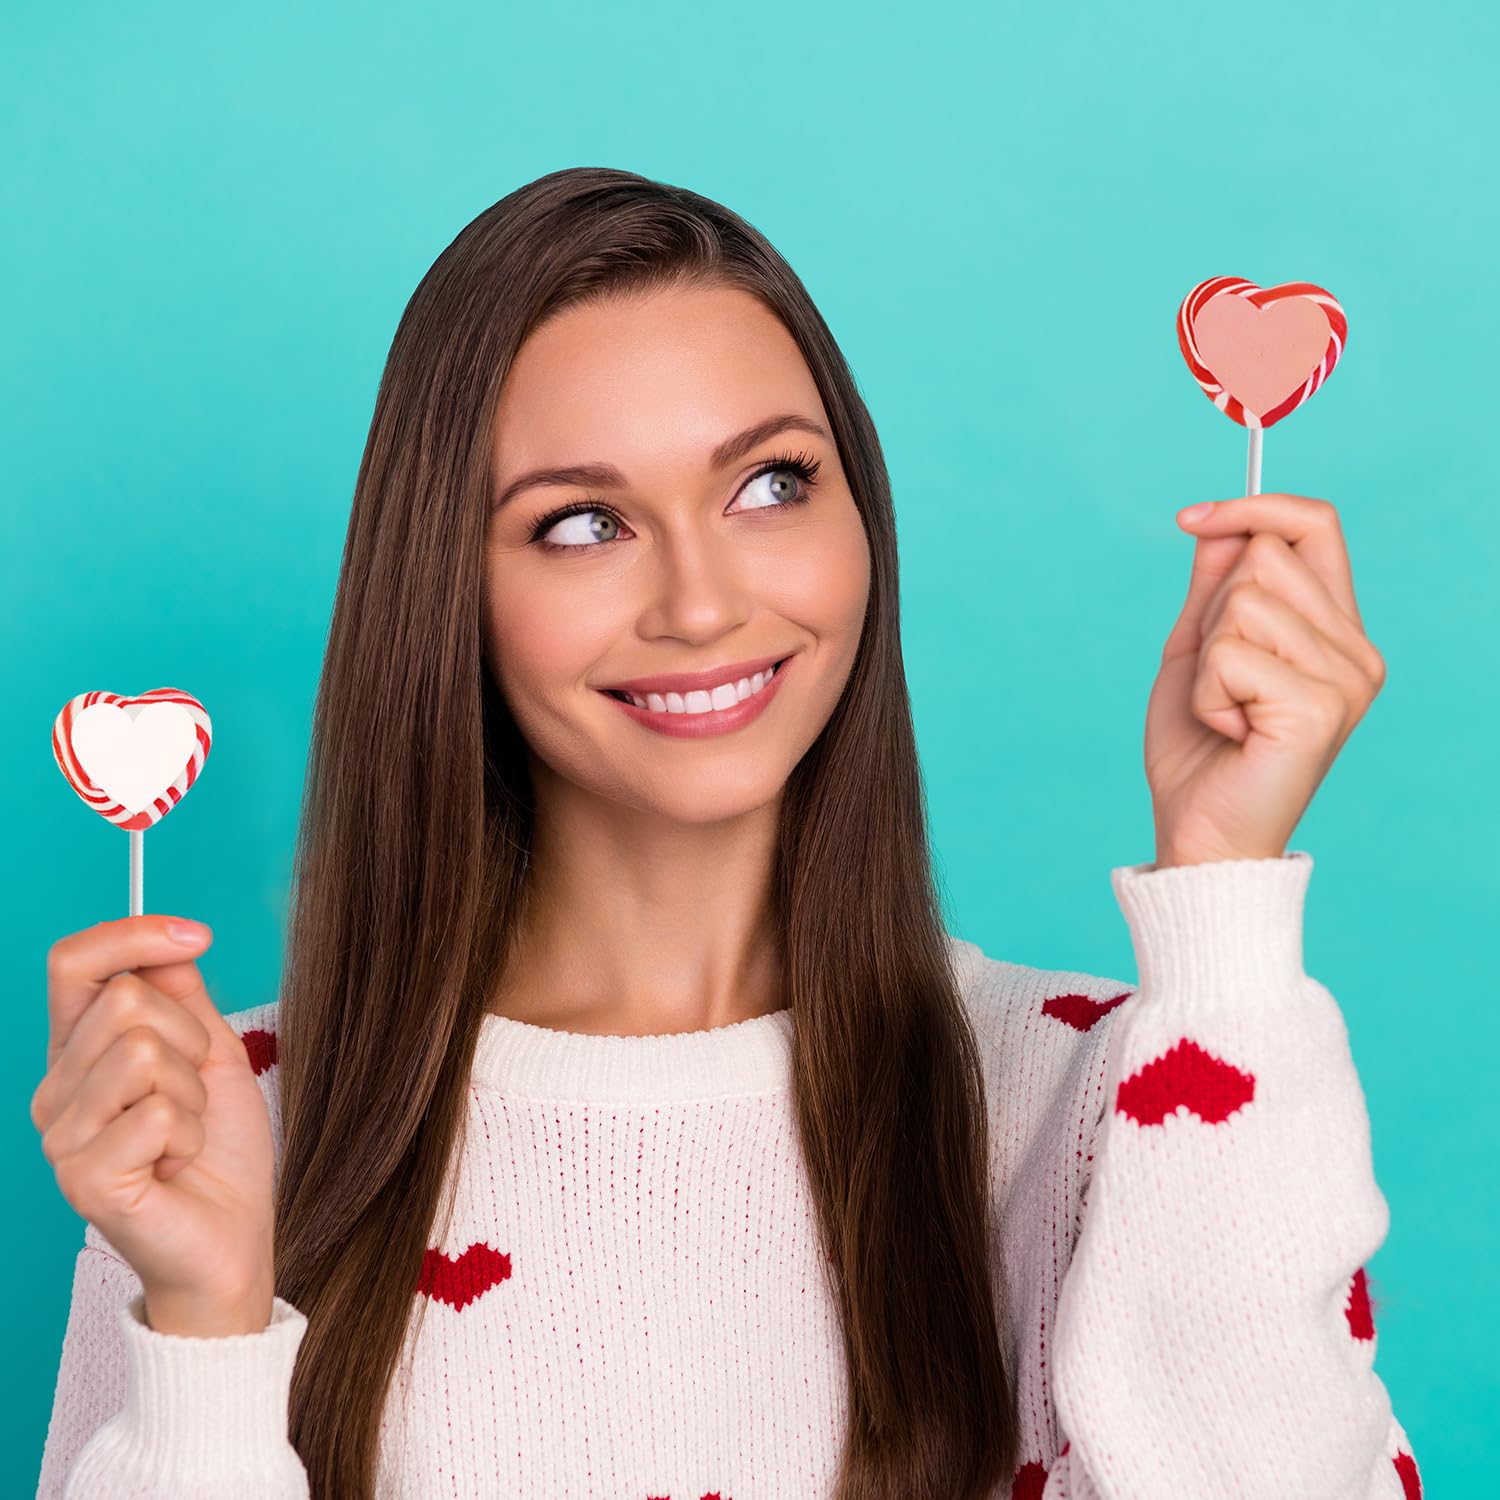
635 1127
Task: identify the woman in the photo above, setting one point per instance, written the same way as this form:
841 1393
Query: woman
636 1128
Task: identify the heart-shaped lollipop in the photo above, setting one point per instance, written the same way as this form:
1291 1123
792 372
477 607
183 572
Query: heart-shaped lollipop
132 759
1260 352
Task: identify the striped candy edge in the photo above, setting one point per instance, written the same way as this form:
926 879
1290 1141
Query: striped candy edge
1237 286
69 764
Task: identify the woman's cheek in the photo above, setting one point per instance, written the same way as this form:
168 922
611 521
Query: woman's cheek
823 579
546 630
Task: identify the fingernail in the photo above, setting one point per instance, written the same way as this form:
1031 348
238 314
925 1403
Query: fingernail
187 933
1194 512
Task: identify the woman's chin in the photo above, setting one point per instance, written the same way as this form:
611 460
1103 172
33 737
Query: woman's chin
711 797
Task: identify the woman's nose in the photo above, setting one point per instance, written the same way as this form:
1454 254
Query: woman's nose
700 584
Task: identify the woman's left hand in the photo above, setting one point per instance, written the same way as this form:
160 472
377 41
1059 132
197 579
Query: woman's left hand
1262 679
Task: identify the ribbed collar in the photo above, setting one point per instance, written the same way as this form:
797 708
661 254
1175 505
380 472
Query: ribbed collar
524 1061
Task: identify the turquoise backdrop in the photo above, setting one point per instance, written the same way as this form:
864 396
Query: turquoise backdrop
213 217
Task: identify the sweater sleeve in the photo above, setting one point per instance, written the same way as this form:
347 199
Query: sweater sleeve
140 1414
1213 1334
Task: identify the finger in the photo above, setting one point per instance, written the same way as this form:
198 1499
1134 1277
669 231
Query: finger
137 1063
1309 525
1270 564
1214 560
1241 677
127 1002
1253 614
109 1175
79 964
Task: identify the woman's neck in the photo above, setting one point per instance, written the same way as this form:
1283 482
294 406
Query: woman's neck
625 939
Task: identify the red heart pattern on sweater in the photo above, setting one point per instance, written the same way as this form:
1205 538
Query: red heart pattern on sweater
462 1279
1185 1075
261 1045
1406 1472
1357 1309
1030 1480
1080 1011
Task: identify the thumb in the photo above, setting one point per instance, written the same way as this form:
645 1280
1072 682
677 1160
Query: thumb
1213 558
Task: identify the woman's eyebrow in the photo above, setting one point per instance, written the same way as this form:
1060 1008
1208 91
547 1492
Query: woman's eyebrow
601 475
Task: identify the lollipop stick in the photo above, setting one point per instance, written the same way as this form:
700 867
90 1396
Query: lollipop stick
137 872
1252 476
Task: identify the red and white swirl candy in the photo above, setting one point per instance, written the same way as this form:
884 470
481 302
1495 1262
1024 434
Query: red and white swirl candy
132 759
1260 352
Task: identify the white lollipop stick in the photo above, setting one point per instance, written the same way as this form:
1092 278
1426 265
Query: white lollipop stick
1252 475
137 873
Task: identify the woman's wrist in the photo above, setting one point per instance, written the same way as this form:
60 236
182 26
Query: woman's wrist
210 1317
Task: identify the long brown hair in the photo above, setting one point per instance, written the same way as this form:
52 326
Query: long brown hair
409 878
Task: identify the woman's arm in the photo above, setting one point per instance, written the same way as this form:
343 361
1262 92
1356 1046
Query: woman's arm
1212 1333
137 1412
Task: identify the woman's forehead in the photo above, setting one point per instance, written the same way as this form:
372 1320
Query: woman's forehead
668 377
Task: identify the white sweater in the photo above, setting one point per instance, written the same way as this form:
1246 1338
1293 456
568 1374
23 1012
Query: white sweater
629 1302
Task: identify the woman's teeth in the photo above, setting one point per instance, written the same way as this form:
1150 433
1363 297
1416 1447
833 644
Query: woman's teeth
726 695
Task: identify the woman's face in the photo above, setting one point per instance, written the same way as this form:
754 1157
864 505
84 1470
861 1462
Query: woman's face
675 560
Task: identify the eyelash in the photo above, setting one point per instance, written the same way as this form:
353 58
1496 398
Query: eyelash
803 465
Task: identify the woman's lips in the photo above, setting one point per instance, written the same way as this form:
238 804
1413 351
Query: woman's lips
716 721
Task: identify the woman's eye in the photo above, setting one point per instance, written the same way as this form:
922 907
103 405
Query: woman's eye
585 526
580 528
785 487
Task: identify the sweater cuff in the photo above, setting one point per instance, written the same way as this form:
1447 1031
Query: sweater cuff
1208 926
210 1401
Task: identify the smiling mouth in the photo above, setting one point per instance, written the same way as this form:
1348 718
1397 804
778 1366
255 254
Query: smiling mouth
700 702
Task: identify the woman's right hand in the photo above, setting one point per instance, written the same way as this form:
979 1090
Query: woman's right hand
153 1121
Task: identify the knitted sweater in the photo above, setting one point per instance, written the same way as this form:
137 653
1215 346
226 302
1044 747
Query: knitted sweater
629 1301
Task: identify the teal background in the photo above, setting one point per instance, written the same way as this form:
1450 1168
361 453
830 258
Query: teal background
214 216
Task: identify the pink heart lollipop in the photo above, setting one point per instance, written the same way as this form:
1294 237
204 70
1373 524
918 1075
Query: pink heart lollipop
132 759
1260 352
